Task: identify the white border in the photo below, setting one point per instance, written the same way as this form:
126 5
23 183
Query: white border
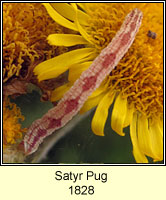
2 83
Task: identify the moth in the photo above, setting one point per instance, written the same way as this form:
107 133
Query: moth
88 82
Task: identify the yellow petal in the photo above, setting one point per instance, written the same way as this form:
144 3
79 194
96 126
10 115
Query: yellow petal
69 58
59 18
129 116
59 92
119 115
65 40
138 155
82 5
91 102
54 67
101 114
76 70
156 140
68 12
80 28
49 74
144 136
161 126
98 91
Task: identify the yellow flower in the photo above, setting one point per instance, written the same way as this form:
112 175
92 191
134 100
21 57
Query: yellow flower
25 29
12 131
135 85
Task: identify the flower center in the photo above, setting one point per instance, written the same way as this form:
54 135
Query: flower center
12 131
139 75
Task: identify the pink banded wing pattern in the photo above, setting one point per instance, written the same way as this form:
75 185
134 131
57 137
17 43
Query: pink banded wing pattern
89 80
